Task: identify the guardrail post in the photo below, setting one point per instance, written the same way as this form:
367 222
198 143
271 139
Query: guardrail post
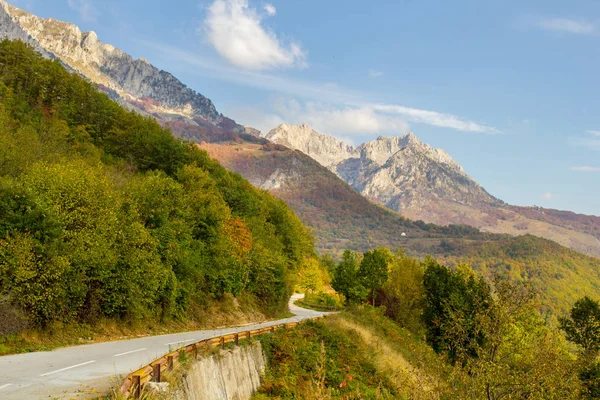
156 372
136 386
222 341
170 362
195 348
248 335
237 339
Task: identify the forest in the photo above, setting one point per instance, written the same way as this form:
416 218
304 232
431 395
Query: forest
105 215
415 328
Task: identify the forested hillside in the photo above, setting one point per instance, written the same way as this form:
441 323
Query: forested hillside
341 217
106 215
560 275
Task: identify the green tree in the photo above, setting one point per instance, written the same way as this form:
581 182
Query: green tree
403 293
454 300
590 380
582 327
373 270
346 279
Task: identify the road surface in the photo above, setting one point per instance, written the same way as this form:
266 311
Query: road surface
88 371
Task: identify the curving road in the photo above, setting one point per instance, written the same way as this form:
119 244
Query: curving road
90 370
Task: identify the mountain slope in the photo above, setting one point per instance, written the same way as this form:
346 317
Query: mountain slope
136 84
423 183
561 276
106 216
340 217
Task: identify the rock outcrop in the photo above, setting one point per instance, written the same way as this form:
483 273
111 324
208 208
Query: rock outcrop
327 150
136 84
399 172
424 183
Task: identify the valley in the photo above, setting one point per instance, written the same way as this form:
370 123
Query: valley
132 208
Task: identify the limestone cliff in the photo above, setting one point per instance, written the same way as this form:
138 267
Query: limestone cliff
136 84
400 172
424 183
327 150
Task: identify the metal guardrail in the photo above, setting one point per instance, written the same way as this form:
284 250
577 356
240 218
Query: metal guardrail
134 382
317 306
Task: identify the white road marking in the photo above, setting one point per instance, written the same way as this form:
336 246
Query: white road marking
67 368
5 386
129 352
181 341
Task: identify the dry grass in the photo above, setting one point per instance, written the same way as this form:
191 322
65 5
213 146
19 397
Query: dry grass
412 382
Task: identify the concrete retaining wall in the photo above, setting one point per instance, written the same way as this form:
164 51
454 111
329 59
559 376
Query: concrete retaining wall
230 375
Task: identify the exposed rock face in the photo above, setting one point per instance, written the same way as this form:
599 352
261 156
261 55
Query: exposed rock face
135 83
402 173
232 375
11 30
407 175
327 150
423 183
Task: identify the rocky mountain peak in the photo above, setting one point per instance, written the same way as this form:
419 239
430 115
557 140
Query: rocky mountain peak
400 172
325 149
136 84
90 41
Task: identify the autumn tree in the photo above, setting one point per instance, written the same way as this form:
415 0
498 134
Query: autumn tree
404 293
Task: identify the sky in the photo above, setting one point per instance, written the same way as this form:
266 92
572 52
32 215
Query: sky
509 89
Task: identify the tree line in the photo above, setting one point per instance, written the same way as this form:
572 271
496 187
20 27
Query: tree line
492 332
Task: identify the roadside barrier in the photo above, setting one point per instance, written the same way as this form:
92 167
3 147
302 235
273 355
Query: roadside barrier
134 382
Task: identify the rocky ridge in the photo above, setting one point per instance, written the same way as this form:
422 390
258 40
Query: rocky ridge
424 183
137 84
327 150
399 172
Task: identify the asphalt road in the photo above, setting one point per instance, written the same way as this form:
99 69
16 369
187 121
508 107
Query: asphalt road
87 371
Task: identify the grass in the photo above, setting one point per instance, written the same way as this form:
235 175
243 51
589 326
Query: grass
315 307
356 354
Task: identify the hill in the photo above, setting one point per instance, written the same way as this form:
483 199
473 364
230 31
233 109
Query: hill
134 83
343 219
423 183
340 217
107 217
560 275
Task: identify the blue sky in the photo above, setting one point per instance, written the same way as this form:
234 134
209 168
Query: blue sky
508 88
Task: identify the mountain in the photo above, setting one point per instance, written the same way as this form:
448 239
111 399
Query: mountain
136 84
424 183
327 150
340 217
401 173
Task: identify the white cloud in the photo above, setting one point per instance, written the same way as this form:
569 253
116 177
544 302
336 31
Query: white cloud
342 105
270 9
373 73
593 144
593 132
585 169
236 32
566 25
341 121
349 120
86 8
435 118
547 195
